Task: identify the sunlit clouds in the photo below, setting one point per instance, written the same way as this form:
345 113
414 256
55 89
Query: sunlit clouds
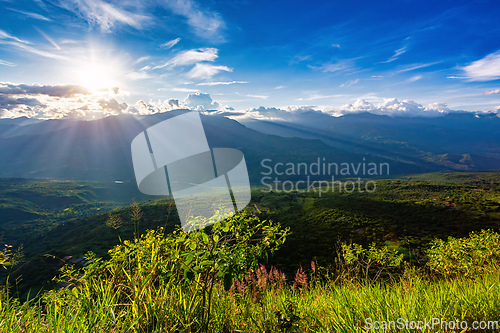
147 56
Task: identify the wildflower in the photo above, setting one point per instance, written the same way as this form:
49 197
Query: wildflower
300 278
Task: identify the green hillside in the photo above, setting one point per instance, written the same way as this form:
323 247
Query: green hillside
69 219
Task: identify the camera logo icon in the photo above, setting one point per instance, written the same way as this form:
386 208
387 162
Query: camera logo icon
173 158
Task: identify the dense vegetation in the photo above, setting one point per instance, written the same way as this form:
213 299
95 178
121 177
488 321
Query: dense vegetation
416 248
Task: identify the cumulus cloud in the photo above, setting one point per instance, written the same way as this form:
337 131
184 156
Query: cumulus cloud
112 105
206 71
56 101
9 103
201 101
392 107
291 113
486 69
303 114
492 92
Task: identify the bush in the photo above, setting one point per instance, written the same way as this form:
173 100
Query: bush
372 262
468 256
160 279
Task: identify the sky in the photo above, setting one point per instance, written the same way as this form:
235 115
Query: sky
89 58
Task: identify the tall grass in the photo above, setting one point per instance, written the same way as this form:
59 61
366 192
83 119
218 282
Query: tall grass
323 306
132 292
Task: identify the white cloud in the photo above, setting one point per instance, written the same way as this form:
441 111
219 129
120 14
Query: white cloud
103 14
47 37
393 107
316 96
258 96
414 67
492 92
63 91
32 15
349 83
23 45
7 63
291 113
171 43
206 71
220 83
57 101
191 57
4 35
141 59
205 23
112 105
201 101
396 55
298 59
139 76
339 66
279 87
414 78
181 89
41 52
143 108
486 69
389 107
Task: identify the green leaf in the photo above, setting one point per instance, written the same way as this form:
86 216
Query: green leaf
189 259
204 237
192 246
206 263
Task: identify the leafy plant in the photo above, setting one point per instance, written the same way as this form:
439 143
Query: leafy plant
373 260
288 318
5 257
187 267
466 256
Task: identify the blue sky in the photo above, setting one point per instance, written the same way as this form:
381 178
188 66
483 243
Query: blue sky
64 57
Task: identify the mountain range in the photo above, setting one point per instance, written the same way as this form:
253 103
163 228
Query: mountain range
100 149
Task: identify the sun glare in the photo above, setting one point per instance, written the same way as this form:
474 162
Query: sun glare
96 76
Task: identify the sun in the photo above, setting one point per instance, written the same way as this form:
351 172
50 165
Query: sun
97 76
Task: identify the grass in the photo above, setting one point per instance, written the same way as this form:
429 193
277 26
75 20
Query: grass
407 215
131 293
322 307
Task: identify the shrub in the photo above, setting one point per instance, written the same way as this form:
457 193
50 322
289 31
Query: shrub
370 262
468 256
177 271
